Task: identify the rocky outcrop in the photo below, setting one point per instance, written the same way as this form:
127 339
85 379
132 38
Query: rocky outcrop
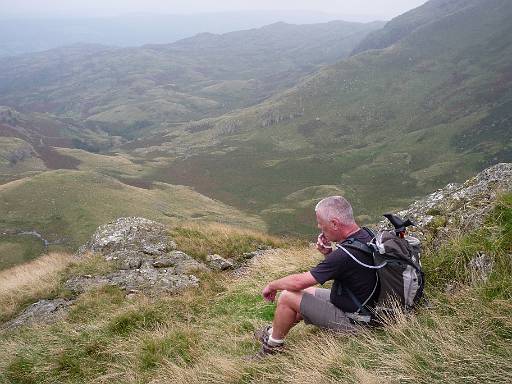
461 206
144 260
129 236
145 257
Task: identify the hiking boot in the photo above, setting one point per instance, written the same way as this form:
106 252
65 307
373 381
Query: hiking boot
267 349
262 333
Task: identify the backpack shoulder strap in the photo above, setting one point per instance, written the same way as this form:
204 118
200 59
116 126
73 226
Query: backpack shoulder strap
369 231
356 244
359 261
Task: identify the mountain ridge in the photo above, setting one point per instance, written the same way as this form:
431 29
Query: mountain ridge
116 88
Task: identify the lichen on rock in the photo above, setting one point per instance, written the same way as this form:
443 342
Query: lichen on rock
461 206
145 256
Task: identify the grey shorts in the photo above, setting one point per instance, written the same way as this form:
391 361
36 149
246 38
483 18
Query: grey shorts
318 310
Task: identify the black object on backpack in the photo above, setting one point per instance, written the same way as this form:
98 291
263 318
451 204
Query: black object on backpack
397 264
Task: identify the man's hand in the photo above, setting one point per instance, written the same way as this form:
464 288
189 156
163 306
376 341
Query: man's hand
323 246
269 294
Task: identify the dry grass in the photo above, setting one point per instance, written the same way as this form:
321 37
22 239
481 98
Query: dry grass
35 279
199 240
204 335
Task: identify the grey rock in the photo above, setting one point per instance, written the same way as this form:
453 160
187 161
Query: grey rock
80 284
184 263
219 263
147 280
44 311
128 260
130 234
251 255
145 256
461 206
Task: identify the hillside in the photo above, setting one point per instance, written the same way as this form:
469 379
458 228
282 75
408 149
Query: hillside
384 126
68 105
129 90
403 25
62 208
204 333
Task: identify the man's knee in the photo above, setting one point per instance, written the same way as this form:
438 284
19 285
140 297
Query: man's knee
290 299
310 290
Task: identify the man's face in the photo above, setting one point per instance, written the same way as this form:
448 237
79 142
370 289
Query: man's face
328 228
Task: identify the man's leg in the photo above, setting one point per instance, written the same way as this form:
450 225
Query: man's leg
287 313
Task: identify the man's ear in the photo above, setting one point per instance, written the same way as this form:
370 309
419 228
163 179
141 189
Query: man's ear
336 224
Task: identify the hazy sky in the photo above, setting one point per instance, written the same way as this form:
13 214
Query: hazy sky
379 8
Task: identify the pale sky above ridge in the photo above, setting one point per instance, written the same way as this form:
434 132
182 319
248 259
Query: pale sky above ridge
383 9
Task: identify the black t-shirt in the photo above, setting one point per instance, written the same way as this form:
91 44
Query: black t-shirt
340 267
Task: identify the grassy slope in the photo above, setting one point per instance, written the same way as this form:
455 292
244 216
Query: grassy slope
67 206
203 335
385 126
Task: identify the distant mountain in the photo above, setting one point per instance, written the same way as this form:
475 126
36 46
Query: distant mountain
24 34
382 127
126 90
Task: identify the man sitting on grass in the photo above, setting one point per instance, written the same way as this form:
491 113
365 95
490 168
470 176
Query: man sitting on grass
354 285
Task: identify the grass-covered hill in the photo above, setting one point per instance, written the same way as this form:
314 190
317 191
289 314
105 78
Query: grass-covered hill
384 126
126 90
204 335
28 142
66 206
405 24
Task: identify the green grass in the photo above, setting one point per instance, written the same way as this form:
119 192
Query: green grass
16 249
450 263
67 207
201 240
385 126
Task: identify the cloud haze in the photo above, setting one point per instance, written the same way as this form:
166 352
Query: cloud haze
378 8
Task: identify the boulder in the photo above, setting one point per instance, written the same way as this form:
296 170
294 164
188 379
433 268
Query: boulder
44 311
145 256
129 236
184 263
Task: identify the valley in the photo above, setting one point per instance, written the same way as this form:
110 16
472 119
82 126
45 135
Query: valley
263 122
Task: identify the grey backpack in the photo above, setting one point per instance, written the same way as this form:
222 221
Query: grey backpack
396 258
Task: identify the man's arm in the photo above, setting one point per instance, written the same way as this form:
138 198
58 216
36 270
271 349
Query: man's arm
294 282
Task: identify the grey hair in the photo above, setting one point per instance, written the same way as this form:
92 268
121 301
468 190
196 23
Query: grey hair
336 207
